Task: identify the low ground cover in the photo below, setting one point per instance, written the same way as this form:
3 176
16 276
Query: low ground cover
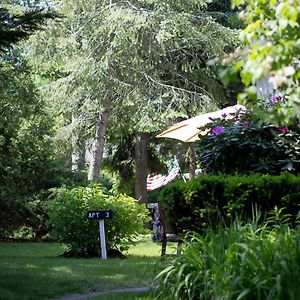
37 271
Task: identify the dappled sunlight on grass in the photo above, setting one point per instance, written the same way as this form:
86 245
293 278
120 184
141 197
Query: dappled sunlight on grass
30 266
42 273
145 247
138 260
62 269
28 250
114 276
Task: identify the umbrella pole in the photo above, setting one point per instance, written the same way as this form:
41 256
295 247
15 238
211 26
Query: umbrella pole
192 161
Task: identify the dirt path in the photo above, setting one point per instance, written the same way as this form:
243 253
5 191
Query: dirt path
95 294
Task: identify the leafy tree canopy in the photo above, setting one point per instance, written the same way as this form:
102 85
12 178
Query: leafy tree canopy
270 38
146 58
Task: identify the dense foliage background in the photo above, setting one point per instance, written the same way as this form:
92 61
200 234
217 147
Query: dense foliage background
208 201
63 65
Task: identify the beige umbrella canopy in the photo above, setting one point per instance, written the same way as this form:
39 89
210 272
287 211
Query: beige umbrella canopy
188 130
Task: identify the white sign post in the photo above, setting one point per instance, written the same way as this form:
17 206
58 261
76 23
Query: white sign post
101 215
102 239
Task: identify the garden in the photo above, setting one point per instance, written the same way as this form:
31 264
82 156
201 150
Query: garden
149 149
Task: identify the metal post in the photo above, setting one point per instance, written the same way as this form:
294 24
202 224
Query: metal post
102 239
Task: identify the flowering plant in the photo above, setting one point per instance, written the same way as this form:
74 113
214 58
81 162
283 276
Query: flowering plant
244 144
218 130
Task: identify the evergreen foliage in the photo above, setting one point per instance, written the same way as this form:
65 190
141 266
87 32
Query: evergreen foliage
211 200
15 27
25 147
135 59
27 164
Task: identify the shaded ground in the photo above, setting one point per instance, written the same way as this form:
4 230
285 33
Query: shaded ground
36 271
94 294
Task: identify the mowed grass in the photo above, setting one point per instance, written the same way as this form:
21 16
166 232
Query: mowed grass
37 271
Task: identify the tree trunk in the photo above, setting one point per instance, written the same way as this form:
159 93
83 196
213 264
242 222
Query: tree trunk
98 145
78 154
78 148
192 165
141 167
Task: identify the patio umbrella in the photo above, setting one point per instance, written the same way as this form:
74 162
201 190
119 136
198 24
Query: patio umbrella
188 130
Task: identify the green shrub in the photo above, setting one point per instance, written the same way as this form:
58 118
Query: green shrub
209 200
11 214
68 219
243 144
238 262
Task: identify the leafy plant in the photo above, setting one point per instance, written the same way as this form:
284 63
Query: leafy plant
244 261
68 219
270 38
245 145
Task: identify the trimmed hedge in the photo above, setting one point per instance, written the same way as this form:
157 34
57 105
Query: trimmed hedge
209 200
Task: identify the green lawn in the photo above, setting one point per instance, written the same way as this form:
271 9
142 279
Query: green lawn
36 271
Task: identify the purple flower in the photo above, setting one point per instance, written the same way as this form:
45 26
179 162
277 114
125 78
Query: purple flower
224 116
283 129
276 99
218 130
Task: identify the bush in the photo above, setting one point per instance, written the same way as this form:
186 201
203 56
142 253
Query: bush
245 145
240 262
69 223
21 208
207 200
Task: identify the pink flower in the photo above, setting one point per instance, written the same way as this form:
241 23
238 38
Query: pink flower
218 130
284 129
